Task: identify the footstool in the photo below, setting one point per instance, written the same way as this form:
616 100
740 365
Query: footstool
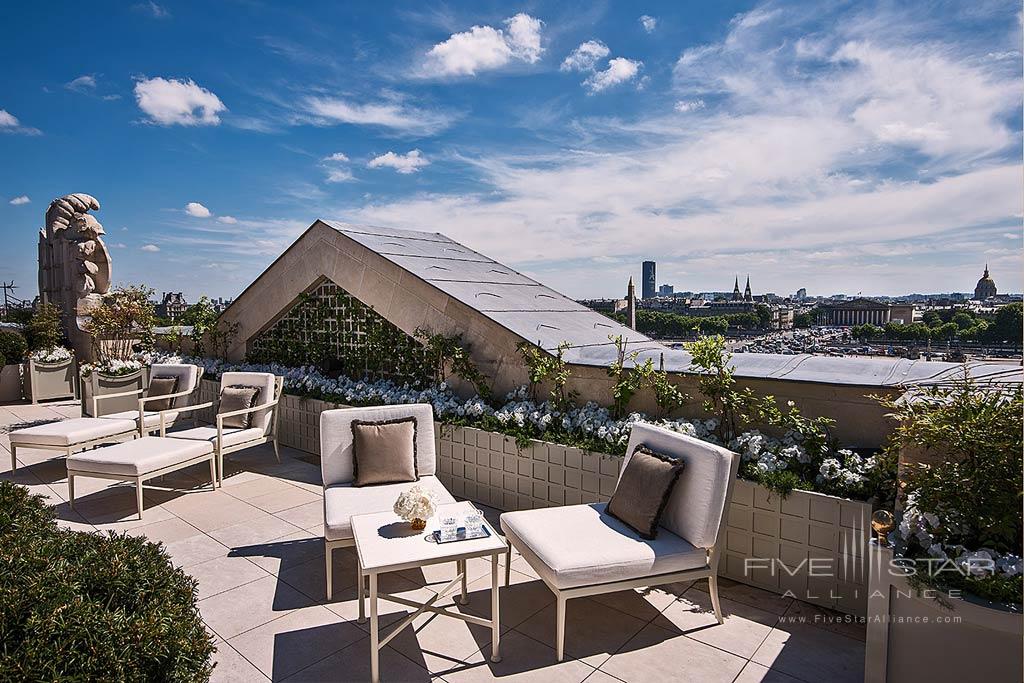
139 460
68 436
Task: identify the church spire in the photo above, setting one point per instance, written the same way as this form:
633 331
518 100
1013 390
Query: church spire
736 289
747 296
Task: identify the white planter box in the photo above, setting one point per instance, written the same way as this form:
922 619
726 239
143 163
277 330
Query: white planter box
10 383
808 545
911 637
44 381
96 384
784 535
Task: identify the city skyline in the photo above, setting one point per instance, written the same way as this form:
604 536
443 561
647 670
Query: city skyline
870 147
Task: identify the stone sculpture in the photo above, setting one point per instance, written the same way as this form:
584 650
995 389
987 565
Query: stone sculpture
74 265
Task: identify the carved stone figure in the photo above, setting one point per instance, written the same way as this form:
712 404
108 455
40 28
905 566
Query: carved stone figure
74 265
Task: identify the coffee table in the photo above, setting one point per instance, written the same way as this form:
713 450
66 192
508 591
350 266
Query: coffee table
386 543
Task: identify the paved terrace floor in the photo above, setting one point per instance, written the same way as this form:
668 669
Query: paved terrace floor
255 548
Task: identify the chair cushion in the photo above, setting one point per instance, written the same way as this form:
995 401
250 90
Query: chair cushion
161 386
150 418
697 504
71 432
384 452
643 490
336 438
344 500
188 378
232 437
267 383
234 398
139 456
577 545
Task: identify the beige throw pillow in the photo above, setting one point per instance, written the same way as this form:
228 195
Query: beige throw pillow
384 452
237 397
643 491
161 386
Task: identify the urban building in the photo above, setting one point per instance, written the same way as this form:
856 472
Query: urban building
648 280
986 287
606 306
902 313
171 306
666 290
854 312
801 294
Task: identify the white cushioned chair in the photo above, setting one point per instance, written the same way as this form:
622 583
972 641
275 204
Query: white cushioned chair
150 420
80 433
262 426
580 550
341 498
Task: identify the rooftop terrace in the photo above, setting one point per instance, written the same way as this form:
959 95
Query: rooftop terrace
256 549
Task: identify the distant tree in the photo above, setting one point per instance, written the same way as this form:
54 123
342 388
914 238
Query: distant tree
804 320
964 320
764 316
1008 324
931 319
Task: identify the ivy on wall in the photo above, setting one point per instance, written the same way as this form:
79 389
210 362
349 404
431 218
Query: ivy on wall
331 329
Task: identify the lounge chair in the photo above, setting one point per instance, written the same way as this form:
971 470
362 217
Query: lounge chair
80 433
262 427
580 550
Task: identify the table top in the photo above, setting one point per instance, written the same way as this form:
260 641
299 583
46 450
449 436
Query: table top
385 542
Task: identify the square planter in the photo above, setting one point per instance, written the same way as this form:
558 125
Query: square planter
97 384
10 383
45 381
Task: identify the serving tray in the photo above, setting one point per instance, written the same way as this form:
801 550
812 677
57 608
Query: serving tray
463 534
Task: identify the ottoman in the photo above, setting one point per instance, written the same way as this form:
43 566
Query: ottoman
68 436
139 460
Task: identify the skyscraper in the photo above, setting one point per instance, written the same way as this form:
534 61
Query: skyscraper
648 281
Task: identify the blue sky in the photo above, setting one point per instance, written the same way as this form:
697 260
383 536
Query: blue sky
842 147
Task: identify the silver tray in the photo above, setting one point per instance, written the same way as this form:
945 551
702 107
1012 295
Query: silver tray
463 534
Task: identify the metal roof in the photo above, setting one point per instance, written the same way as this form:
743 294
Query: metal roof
541 315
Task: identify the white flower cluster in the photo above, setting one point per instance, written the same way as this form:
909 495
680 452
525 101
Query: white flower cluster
54 354
113 367
924 528
518 411
417 502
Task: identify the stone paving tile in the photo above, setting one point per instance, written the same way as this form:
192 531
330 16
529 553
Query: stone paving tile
655 655
812 654
240 609
224 573
232 667
743 630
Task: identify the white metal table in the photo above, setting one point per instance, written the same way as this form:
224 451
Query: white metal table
386 543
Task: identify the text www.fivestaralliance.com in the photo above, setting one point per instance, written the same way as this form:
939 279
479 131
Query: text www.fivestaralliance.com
882 618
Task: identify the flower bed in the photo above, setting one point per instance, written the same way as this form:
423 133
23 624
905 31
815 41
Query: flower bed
589 427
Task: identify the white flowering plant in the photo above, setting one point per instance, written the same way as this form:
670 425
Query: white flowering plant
417 502
962 509
115 367
51 355
794 461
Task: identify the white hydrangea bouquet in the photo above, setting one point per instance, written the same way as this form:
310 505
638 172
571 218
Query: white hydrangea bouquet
416 506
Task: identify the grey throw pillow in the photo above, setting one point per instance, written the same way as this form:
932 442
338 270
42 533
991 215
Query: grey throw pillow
384 452
237 397
161 386
643 491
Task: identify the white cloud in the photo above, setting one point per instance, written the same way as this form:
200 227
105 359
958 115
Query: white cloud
18 201
408 163
152 9
197 210
648 22
686 106
485 48
9 123
227 220
82 83
585 56
150 248
337 169
619 71
170 101
337 156
392 115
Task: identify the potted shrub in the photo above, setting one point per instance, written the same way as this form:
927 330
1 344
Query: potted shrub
49 368
121 327
12 349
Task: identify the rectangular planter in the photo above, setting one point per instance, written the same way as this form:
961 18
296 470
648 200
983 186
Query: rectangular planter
810 546
10 383
96 384
911 637
45 381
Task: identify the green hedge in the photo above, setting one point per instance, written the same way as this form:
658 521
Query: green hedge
87 607
13 346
